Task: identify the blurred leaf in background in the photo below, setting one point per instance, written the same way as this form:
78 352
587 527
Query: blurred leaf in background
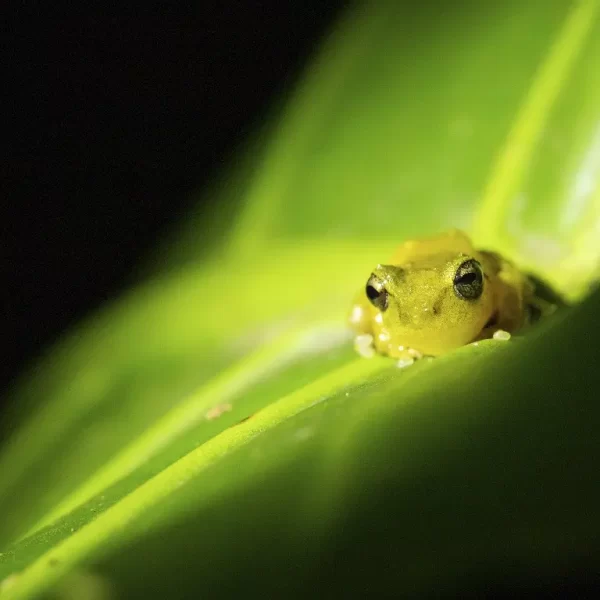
212 430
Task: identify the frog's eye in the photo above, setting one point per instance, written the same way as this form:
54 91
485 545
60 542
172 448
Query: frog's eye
468 281
376 293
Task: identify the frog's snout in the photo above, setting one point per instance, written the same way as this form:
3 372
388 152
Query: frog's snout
387 273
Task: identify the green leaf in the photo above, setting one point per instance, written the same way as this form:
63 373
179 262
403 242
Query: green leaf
214 423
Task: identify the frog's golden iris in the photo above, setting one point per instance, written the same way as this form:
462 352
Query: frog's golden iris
440 293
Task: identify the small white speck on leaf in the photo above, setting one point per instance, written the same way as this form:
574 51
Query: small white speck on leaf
216 411
405 362
303 433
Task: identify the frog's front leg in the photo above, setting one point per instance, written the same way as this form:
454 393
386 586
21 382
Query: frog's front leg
368 344
363 344
373 338
360 320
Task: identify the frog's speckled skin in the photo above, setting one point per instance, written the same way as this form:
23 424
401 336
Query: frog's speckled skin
424 312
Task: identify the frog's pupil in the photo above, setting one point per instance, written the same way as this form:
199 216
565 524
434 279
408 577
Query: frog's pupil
372 293
468 279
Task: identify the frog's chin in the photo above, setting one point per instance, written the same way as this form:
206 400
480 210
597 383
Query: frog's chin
443 342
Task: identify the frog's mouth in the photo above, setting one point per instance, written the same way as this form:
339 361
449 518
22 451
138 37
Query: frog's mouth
492 321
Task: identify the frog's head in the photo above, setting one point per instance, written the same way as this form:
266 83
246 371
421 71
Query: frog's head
434 304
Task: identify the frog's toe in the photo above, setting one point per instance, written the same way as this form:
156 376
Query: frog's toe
405 362
363 344
500 334
414 354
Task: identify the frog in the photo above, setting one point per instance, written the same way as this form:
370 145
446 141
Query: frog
439 293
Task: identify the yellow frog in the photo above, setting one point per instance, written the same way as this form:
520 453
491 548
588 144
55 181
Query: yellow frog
440 293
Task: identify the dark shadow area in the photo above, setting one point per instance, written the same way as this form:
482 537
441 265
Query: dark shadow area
116 116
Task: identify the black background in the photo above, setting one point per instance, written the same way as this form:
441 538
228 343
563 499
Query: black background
114 117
